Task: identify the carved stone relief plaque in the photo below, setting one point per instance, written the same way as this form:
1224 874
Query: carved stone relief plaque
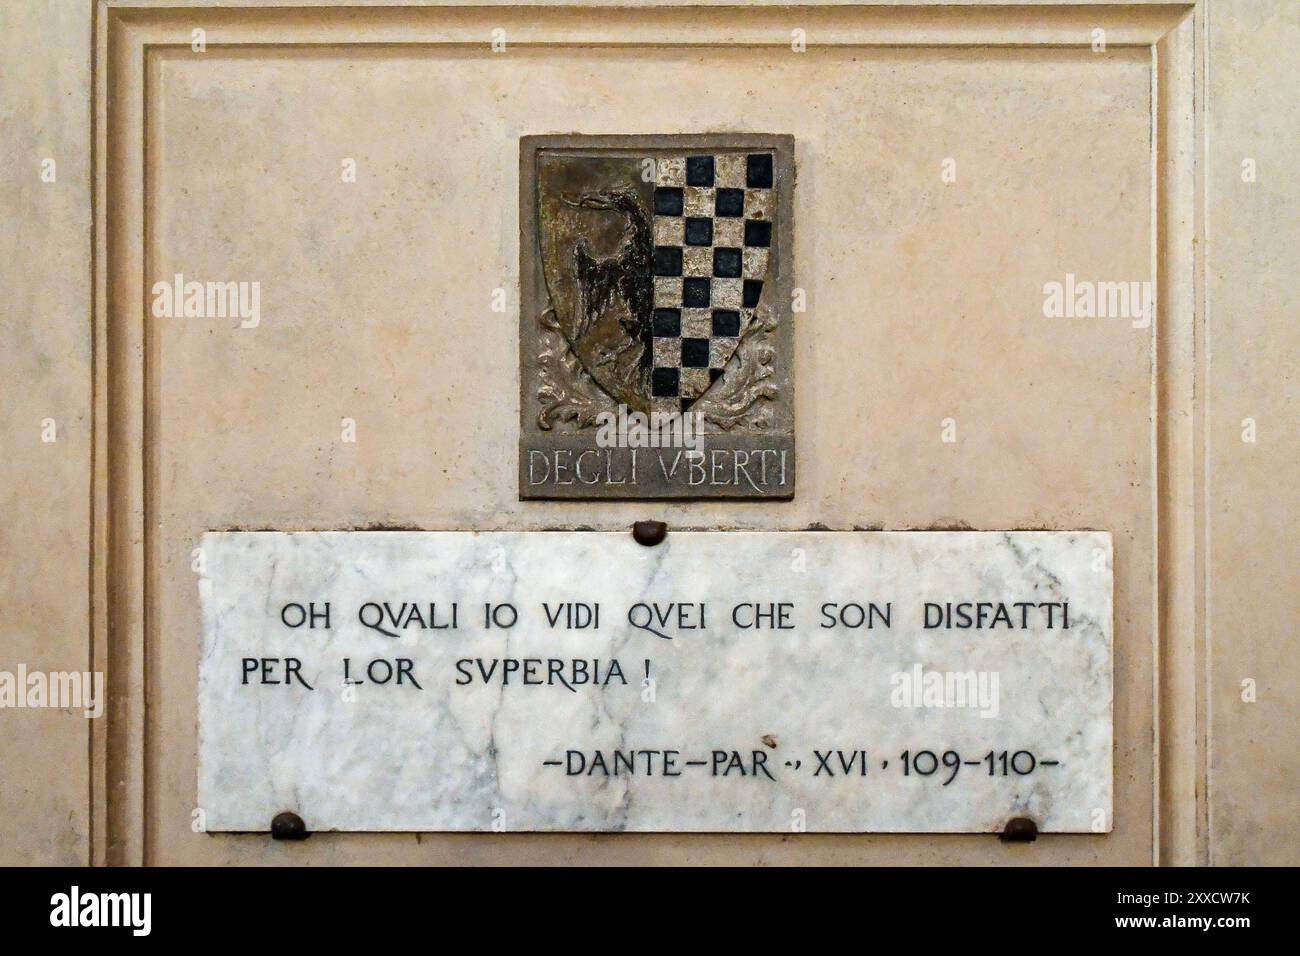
656 311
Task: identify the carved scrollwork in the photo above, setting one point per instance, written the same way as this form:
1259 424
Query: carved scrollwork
740 396
567 392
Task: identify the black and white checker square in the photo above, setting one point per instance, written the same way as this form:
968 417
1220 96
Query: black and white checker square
713 234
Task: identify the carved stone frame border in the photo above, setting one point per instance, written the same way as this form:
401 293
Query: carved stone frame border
129 32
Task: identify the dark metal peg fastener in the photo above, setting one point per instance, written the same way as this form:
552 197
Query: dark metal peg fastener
1019 830
288 826
649 533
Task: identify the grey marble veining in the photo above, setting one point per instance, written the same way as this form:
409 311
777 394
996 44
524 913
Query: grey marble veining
901 728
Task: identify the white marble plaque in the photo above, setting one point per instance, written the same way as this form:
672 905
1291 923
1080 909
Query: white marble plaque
720 681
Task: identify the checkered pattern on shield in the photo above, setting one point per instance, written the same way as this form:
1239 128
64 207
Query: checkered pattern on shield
712 232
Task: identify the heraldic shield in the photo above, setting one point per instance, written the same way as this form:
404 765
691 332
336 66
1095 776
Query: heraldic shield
656 262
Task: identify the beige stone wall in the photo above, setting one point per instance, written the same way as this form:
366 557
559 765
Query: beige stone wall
1252 520
45 373
925 305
